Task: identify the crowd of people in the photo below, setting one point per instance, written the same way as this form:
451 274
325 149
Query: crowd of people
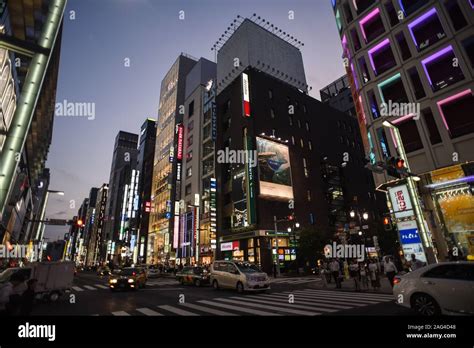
364 274
17 296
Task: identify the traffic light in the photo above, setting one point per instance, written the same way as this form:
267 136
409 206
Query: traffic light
400 164
291 217
79 223
395 167
387 224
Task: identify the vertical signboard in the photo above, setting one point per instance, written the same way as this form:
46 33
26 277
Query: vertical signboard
401 203
246 95
213 208
179 152
249 172
410 240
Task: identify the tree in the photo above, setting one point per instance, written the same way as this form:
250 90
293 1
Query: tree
311 245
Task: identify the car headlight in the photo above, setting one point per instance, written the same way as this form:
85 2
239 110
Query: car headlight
131 281
113 281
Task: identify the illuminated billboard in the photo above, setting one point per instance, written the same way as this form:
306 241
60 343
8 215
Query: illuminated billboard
246 94
274 169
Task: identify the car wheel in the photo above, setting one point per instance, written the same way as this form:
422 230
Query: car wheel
240 287
425 305
197 282
215 284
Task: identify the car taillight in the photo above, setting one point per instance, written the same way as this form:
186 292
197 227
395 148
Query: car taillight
397 280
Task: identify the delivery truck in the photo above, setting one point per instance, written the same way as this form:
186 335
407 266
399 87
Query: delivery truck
54 278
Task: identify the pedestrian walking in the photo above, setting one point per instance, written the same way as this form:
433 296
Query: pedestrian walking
28 298
390 269
374 275
354 273
415 263
364 276
334 267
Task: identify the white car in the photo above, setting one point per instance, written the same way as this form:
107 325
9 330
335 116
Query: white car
242 276
442 288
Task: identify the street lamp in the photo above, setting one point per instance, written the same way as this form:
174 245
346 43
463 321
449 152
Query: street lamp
289 229
297 225
365 216
352 213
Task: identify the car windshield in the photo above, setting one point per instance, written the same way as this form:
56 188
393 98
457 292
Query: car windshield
248 268
128 271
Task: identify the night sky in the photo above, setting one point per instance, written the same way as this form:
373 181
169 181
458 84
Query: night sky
150 34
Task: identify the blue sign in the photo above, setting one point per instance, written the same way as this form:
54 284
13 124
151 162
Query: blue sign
168 215
410 236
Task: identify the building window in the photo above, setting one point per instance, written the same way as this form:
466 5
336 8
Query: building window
468 45
338 21
347 12
455 13
402 43
290 118
456 112
392 13
293 140
410 6
426 29
341 139
393 89
410 136
301 143
372 26
226 107
440 70
270 94
190 126
190 140
306 172
308 195
355 39
416 83
189 172
362 5
189 155
365 71
381 57
311 218
310 145
188 189
272 113
191 109
299 123
304 109
307 126
383 142
435 137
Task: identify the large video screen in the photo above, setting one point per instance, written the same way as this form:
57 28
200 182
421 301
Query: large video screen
274 169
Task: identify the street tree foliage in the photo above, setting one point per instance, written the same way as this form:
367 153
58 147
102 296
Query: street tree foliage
311 245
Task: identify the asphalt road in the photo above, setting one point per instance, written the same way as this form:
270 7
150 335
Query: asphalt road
165 296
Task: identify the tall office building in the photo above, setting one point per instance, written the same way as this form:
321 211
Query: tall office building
146 154
88 223
166 193
306 158
194 243
338 95
29 62
122 186
410 64
96 239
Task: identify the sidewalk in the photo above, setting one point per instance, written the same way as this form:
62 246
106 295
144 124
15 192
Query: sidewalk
348 285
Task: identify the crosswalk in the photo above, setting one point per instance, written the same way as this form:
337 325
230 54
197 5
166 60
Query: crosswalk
294 281
304 302
103 286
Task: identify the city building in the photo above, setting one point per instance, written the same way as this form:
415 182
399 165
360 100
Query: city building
338 95
97 240
146 155
29 62
121 206
88 223
304 160
410 67
166 192
197 164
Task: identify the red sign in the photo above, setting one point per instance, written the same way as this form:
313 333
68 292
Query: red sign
180 142
147 207
246 94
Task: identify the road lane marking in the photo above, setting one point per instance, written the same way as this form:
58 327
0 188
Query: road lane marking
207 310
238 309
284 302
347 296
149 312
89 287
320 301
101 286
178 310
266 306
352 294
342 301
120 314
76 288
317 303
